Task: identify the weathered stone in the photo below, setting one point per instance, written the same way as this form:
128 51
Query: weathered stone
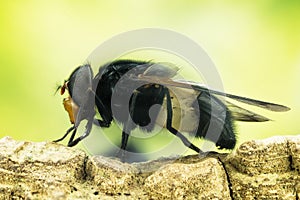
204 179
263 169
262 156
43 160
190 177
294 149
29 170
262 186
111 175
259 169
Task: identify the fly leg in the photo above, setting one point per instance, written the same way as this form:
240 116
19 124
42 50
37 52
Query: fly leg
87 131
128 127
169 126
66 134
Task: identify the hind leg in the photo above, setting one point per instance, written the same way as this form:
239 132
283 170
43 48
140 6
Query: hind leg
169 126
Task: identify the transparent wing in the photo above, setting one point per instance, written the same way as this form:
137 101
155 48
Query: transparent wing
160 69
240 114
202 88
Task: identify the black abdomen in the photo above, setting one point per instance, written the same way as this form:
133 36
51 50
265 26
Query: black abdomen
215 121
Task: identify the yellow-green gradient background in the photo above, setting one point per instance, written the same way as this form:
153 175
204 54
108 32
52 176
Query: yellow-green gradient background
254 44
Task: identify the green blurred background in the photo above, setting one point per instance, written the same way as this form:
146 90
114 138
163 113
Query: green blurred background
254 44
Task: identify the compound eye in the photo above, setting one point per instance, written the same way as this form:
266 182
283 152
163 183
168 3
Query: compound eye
72 108
63 88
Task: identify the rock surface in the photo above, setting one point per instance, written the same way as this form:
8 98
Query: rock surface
265 169
258 169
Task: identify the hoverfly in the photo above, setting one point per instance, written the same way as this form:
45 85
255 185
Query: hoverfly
145 84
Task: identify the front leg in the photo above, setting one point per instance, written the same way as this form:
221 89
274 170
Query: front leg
86 133
66 134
